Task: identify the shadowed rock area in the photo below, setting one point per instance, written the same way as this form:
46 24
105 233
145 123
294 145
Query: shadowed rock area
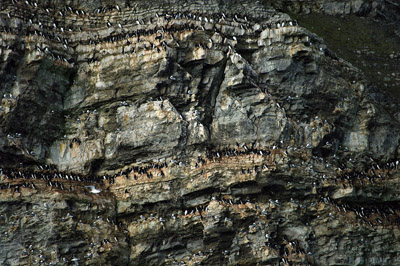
216 133
365 33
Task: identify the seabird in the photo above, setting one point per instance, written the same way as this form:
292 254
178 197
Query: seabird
93 189
75 260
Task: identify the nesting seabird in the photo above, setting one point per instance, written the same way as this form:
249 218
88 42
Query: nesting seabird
93 189
75 260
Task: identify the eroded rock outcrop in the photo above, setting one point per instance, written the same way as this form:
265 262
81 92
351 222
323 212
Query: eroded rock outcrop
385 9
219 133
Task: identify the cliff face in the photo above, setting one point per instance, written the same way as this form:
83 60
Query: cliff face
386 9
219 133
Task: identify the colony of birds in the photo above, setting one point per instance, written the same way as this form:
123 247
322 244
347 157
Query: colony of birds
58 33
289 251
48 175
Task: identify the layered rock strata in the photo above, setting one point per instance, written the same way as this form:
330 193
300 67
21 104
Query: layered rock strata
219 133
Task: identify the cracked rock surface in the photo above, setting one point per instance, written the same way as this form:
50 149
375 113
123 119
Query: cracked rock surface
219 133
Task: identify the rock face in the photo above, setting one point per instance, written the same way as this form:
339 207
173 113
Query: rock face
382 8
220 133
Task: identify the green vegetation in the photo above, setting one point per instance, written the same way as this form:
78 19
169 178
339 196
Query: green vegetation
369 45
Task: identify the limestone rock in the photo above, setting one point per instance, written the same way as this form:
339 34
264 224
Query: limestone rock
214 133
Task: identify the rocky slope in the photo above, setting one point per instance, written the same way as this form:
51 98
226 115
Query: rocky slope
387 9
364 33
220 134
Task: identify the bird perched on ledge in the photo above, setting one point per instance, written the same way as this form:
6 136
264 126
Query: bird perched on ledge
94 190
